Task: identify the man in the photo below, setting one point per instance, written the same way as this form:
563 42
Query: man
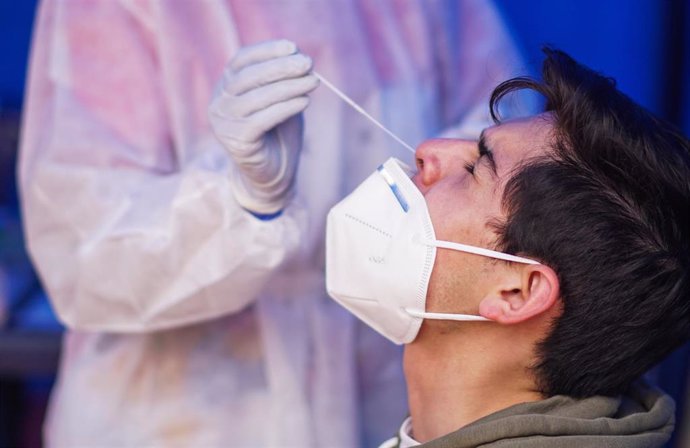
592 198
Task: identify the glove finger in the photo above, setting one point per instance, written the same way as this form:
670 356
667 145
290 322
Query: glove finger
266 72
264 51
276 114
265 96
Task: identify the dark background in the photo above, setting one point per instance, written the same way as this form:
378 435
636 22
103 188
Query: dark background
643 44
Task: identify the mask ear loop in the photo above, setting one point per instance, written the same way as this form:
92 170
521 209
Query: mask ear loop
472 250
475 250
445 316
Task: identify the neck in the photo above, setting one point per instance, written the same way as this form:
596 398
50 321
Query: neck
454 381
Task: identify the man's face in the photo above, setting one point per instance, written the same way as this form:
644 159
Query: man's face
463 183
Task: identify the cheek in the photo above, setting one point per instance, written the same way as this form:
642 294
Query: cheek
455 217
439 296
453 283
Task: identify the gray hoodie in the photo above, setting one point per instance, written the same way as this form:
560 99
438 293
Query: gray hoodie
643 418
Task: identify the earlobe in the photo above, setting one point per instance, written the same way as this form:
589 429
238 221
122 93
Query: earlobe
527 293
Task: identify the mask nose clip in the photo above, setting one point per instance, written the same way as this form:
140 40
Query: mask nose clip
394 188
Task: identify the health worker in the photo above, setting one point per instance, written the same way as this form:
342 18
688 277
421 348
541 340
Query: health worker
177 163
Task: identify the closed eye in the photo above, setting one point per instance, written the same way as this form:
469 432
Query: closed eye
484 150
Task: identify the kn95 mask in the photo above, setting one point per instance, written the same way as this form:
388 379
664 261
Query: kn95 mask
380 251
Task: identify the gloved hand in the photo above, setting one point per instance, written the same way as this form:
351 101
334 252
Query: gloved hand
256 114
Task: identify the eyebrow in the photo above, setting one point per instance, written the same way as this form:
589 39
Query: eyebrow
484 150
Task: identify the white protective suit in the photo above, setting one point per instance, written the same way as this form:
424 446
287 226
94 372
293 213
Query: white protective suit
191 322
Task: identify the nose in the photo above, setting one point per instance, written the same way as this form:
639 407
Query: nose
439 157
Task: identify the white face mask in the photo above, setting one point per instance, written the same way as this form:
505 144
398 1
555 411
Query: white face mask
380 251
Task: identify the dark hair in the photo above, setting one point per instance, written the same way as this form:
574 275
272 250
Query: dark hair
609 211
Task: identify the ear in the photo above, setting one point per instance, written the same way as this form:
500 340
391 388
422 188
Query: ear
523 294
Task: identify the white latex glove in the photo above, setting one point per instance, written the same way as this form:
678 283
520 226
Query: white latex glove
256 114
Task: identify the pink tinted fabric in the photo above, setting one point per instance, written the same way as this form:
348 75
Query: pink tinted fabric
192 323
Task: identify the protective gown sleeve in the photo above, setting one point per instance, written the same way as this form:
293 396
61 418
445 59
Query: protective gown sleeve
128 217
